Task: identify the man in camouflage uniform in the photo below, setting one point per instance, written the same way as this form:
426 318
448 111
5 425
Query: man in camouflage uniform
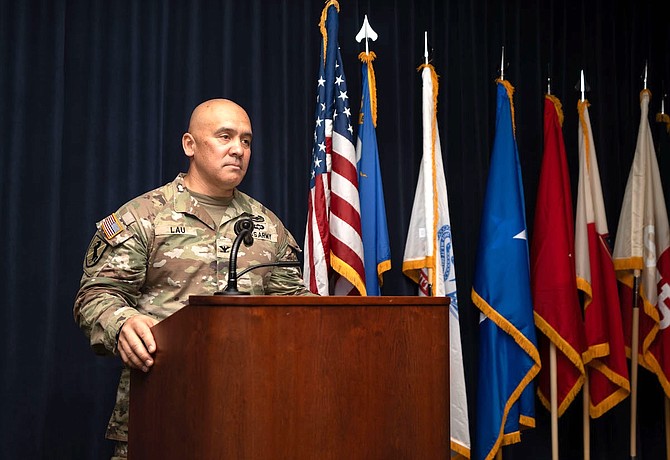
146 259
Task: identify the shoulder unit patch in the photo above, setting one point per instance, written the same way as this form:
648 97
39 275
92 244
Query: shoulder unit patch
95 251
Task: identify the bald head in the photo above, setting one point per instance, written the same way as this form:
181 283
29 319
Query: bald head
209 110
218 144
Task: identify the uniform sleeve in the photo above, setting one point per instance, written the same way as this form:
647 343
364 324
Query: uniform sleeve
114 272
287 280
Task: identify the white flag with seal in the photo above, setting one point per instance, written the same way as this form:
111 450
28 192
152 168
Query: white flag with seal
429 256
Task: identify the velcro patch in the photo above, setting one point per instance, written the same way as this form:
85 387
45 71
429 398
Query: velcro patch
111 226
262 234
95 251
177 229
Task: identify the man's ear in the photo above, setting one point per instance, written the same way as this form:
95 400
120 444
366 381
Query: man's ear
188 144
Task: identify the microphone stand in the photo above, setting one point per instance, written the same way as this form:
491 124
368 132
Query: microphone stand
243 228
285 263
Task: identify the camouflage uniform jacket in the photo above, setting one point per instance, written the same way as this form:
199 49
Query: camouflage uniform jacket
159 249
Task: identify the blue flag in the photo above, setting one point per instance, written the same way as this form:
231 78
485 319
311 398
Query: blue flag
376 248
508 355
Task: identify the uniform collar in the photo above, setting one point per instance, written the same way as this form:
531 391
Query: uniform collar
186 203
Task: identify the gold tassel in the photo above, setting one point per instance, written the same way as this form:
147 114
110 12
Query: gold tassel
558 106
664 118
510 92
322 24
581 106
367 59
433 77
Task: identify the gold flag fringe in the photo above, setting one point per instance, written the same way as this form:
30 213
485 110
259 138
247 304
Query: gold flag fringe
642 93
322 24
521 340
433 77
664 118
571 354
558 106
510 92
367 58
581 106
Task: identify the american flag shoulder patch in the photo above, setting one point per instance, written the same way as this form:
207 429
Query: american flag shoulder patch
111 226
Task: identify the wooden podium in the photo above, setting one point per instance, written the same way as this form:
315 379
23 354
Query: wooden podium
266 377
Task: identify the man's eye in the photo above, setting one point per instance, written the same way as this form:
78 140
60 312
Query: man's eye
246 142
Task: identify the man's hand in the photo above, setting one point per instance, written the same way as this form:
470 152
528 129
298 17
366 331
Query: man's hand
136 342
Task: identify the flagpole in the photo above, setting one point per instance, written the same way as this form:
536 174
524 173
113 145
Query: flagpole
634 346
585 417
633 366
499 455
433 267
429 270
553 379
554 401
586 427
666 400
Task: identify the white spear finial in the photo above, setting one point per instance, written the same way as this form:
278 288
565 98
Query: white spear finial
502 64
644 79
366 33
425 47
582 85
662 98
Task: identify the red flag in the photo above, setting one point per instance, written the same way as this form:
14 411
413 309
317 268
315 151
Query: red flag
643 245
605 353
553 279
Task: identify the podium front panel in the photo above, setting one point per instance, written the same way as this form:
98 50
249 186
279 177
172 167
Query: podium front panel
263 377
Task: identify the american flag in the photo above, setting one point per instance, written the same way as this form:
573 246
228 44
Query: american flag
111 226
333 244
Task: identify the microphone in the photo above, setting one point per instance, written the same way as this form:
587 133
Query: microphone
243 229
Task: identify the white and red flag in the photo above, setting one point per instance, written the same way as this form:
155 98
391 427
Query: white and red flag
605 355
643 246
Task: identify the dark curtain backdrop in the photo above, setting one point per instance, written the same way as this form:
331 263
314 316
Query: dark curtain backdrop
95 95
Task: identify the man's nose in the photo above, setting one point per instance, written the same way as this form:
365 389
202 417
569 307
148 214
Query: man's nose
236 148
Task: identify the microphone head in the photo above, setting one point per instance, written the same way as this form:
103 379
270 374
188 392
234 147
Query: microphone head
245 225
